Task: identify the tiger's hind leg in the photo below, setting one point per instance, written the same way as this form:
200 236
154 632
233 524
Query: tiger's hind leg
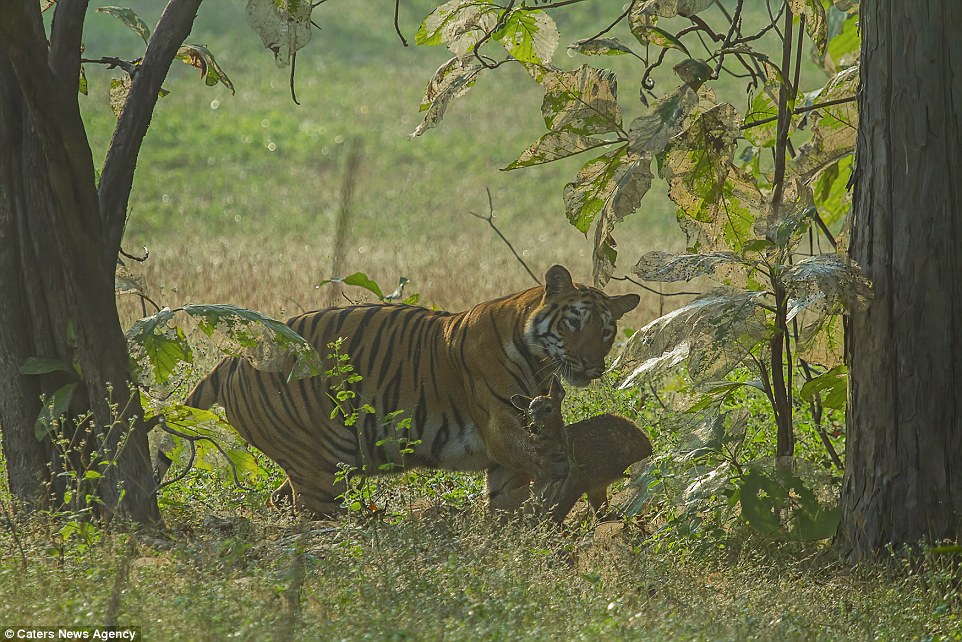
312 497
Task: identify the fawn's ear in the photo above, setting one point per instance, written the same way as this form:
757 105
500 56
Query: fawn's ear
521 402
556 390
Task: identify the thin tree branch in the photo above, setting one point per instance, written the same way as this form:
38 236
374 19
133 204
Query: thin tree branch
802 110
66 32
735 26
490 219
293 66
653 290
118 171
397 27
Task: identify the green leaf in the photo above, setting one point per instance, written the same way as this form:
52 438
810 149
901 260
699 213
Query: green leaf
661 38
129 18
829 388
459 25
267 343
718 203
205 427
157 347
759 500
200 56
612 184
815 23
830 190
555 145
452 80
630 182
650 132
119 90
284 26
53 409
762 108
719 328
42 365
529 36
599 47
844 48
583 101
668 267
360 280
825 283
82 83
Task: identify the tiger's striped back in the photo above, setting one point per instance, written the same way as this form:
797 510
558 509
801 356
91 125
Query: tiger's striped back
451 376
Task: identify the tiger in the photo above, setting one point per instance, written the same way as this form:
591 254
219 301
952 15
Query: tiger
451 374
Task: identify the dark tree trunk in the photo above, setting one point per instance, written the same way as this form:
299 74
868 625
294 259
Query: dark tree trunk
903 478
59 241
27 457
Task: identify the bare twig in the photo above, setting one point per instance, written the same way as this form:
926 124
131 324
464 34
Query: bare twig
729 37
130 66
194 438
802 110
397 28
653 290
490 219
293 67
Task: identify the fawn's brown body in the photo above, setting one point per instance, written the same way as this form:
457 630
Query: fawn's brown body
600 448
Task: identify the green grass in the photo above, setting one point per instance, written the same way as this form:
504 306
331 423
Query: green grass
460 576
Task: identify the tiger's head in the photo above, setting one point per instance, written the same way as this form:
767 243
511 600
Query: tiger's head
575 325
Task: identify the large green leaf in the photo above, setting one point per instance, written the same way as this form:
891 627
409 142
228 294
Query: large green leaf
452 80
583 101
529 36
719 329
459 25
586 196
41 365
835 128
669 267
284 26
267 343
829 388
556 145
780 503
830 190
206 428
157 347
827 283
650 132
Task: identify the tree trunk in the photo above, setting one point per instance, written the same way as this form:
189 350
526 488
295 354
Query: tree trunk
58 275
27 457
903 479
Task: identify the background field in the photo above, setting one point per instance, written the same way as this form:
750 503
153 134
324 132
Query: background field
236 198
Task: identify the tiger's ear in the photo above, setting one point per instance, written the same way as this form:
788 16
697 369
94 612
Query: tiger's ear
556 390
521 402
622 305
557 280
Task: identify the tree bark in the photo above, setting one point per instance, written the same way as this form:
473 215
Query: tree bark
62 274
903 479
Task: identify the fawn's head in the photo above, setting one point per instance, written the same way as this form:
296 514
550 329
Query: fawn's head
544 411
